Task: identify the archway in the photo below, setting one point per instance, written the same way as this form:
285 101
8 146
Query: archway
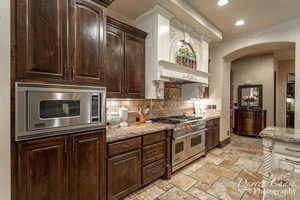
275 105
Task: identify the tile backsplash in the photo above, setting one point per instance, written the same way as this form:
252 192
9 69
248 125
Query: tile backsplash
173 104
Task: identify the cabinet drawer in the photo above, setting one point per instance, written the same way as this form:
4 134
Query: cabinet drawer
154 138
154 171
287 149
154 152
124 146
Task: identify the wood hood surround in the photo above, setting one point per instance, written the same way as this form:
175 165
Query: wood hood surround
164 33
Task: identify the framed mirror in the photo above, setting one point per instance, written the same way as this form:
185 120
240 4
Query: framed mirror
250 96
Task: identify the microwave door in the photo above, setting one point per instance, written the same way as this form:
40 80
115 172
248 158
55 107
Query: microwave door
53 109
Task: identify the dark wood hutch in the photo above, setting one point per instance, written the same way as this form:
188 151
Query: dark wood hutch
250 117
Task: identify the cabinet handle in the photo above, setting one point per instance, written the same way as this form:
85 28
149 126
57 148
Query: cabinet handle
292 150
292 161
73 145
73 72
65 146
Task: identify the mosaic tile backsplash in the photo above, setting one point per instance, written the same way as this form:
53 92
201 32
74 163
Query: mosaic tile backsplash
173 104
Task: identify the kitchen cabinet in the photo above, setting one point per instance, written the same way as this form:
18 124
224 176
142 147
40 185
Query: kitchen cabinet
49 52
135 66
135 162
286 156
43 169
124 174
125 69
114 74
212 134
63 167
41 39
87 41
87 166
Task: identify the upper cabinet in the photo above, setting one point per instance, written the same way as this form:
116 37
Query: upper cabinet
42 39
125 69
88 45
114 74
47 50
135 66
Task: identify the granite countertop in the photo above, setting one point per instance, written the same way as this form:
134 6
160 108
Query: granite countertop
139 129
282 134
134 130
212 116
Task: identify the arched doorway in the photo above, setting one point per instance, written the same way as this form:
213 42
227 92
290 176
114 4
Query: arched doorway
276 50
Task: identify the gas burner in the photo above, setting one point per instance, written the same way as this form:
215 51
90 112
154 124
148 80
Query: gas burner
166 120
177 120
185 117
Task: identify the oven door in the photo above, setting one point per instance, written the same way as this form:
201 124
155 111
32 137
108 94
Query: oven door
196 142
179 150
57 109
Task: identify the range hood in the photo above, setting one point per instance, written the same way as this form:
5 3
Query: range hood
164 35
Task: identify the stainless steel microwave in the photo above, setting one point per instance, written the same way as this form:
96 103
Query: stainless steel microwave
46 109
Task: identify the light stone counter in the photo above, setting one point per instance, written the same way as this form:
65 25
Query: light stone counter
134 130
281 151
282 134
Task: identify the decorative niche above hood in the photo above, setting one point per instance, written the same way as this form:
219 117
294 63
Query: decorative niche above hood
173 52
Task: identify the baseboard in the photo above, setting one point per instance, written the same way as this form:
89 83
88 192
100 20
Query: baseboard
225 142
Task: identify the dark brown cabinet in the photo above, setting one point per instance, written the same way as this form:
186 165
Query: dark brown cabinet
64 167
88 45
114 75
135 162
250 122
41 39
43 169
88 173
134 66
125 69
48 51
212 134
124 174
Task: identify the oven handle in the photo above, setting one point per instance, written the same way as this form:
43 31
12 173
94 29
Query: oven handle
190 134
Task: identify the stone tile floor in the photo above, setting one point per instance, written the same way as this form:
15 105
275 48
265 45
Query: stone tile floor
214 177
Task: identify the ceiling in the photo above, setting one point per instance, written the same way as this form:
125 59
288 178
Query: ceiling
132 8
257 13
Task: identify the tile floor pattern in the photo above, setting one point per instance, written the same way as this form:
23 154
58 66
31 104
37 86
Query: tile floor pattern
214 177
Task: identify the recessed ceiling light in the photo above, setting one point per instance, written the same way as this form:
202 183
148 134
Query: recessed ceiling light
222 2
240 22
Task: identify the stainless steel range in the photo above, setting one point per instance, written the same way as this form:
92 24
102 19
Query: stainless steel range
188 143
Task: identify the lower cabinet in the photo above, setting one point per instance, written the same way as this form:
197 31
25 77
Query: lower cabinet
212 134
63 167
133 163
124 174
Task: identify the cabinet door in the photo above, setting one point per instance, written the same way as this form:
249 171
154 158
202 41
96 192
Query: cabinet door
124 174
114 73
216 136
41 39
208 139
134 66
88 166
87 40
43 169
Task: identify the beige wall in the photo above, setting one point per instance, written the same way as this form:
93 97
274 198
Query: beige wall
256 70
5 100
284 67
220 68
